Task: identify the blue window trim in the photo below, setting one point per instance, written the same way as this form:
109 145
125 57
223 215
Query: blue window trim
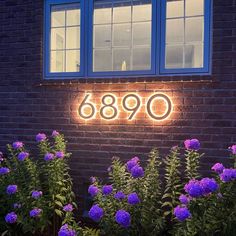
157 44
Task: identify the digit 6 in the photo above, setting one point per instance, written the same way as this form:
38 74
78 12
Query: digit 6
85 104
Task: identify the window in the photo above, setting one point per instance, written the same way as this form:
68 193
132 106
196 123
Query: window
106 38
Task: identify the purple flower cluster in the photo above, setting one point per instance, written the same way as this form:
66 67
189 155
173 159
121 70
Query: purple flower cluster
36 194
68 208
35 212
131 163
134 168
107 189
233 149
60 155
184 199
11 218
4 170
96 213
182 213
48 156
119 195
11 189
40 137
17 145
218 168
22 156
93 190
123 218
133 199
93 179
193 188
192 144
209 185
66 231
55 133
228 175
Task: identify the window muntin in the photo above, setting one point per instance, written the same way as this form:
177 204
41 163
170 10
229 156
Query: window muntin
121 33
184 42
65 38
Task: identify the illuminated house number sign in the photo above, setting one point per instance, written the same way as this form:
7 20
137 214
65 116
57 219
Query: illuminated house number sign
158 106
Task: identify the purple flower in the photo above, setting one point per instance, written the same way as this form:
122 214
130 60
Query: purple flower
11 218
22 156
131 163
93 190
96 213
35 212
209 185
218 168
66 231
68 208
60 155
4 170
192 144
233 149
48 156
193 188
123 218
1 157
55 133
93 179
228 175
41 137
107 189
17 145
133 199
11 189
182 213
36 194
119 195
137 172
184 199
16 205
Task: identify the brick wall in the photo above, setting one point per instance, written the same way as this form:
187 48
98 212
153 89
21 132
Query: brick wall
204 106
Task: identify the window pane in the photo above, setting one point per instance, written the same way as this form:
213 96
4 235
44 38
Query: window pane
121 59
174 57
57 16
142 12
122 35
57 61
142 33
194 7
122 12
73 16
194 29
73 37
175 8
102 12
141 59
102 36
193 56
72 60
175 30
58 38
102 60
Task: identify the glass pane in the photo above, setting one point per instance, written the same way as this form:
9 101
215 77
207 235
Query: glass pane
141 59
174 57
122 12
73 37
57 16
58 38
194 29
193 56
142 33
175 8
57 61
122 35
175 30
102 12
142 12
72 60
121 59
102 36
102 60
194 7
73 17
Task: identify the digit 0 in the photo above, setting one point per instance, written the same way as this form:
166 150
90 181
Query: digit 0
150 105
109 104
134 109
85 105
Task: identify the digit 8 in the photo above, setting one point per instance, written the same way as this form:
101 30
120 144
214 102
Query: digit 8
107 105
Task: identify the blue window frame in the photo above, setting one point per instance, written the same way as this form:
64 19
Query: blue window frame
115 38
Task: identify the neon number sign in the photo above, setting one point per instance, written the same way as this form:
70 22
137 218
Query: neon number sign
109 109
